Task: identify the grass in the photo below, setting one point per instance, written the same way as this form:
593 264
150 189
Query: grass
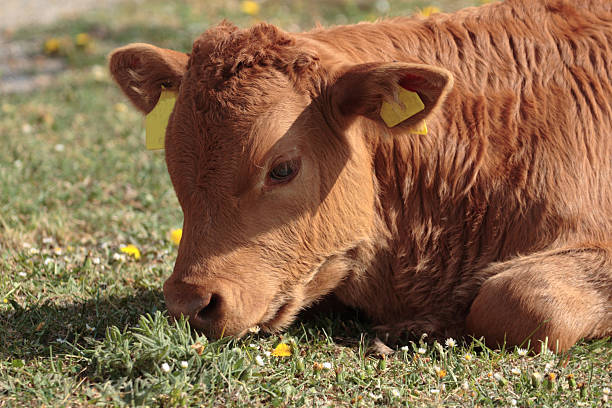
83 324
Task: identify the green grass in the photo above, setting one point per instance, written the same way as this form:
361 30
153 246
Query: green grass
79 325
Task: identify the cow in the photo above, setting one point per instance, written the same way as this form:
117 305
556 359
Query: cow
486 211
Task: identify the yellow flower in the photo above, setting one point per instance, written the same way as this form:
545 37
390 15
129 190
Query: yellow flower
282 350
467 357
429 10
441 373
5 300
131 250
176 235
250 7
52 46
82 40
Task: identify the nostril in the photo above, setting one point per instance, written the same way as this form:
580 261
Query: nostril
209 310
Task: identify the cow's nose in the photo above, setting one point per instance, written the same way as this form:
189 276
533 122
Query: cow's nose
205 310
202 306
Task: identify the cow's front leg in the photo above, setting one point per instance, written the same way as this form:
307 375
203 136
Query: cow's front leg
563 295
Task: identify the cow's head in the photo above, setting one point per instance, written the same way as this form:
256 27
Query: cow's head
269 149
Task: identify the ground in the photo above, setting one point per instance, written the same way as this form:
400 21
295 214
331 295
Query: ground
82 319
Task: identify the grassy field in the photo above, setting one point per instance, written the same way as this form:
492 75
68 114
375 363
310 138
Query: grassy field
82 323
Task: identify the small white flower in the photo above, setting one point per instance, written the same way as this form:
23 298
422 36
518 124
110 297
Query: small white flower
184 364
22 274
450 342
516 371
47 240
521 351
48 261
465 385
26 128
59 147
165 367
606 390
18 164
252 345
255 329
95 261
118 257
395 393
497 376
267 353
57 251
26 245
374 396
259 360
98 72
513 402
88 327
422 350
434 391
327 365
547 367
405 348
60 340
34 251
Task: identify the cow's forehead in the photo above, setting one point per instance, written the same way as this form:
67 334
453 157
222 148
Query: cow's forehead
231 133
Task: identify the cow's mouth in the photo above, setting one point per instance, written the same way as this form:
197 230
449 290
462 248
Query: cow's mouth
280 317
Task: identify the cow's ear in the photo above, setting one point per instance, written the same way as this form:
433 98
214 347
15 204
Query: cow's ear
142 70
409 91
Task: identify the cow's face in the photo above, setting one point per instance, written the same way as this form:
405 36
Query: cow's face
269 166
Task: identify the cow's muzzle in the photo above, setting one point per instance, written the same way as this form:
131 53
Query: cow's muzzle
205 307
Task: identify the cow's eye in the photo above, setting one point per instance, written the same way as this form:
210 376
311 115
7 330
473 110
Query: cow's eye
283 172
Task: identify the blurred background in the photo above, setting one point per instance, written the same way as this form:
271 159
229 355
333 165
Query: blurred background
40 38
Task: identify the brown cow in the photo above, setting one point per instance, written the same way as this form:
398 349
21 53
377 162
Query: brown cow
496 223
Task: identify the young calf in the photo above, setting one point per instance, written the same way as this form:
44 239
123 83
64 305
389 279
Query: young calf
450 175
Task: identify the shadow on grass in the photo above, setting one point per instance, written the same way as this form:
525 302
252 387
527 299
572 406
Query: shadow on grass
45 329
49 329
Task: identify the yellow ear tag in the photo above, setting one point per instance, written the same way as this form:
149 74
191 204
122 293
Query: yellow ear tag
394 113
420 129
156 121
